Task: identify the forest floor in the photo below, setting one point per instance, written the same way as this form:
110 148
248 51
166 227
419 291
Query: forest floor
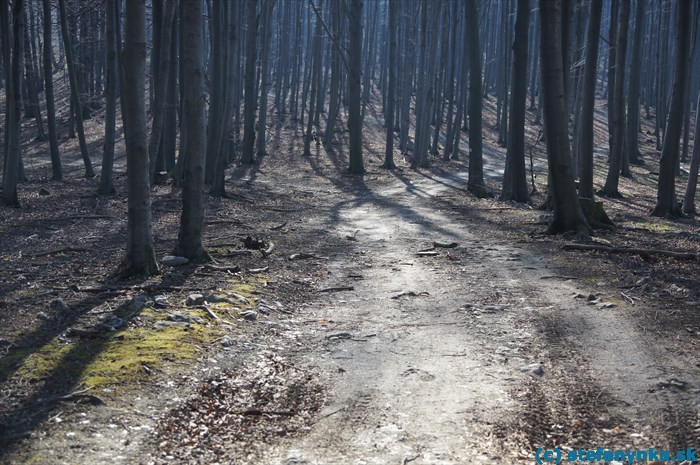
397 320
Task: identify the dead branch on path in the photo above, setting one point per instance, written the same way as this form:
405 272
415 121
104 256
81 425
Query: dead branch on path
337 289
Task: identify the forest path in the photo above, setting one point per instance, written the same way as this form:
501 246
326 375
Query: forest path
451 374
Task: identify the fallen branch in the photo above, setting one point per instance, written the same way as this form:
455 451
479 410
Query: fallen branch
337 289
427 253
410 294
61 250
277 228
211 313
268 251
225 269
303 256
259 270
631 250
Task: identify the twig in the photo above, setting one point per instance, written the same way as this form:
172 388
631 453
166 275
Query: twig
337 289
277 228
268 251
211 313
61 250
445 245
627 298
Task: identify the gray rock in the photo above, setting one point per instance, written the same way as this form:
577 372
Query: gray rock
213 299
43 316
239 298
186 317
161 301
493 309
170 324
226 341
195 299
113 323
138 303
172 260
58 305
249 315
534 369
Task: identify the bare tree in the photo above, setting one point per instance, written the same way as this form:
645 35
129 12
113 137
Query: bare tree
568 215
106 180
140 254
56 168
354 90
475 184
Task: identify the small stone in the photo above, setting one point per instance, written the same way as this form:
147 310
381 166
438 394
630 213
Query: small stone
226 341
161 301
534 369
138 303
43 316
195 299
213 299
58 305
186 317
239 298
43 191
113 323
172 260
607 305
170 324
591 297
249 315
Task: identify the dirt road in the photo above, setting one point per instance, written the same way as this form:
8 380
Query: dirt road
475 354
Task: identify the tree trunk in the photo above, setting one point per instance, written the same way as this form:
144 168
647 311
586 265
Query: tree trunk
588 102
515 177
266 33
56 167
568 215
140 255
106 180
666 203
75 95
691 187
391 97
189 241
475 184
632 131
13 85
610 189
161 86
250 100
354 91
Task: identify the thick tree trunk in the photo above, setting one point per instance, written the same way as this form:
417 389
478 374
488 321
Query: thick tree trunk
189 241
140 255
13 85
666 203
56 167
266 33
588 102
106 181
691 187
515 177
568 215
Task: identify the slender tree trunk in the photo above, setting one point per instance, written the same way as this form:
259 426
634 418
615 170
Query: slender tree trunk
610 189
691 187
568 215
190 243
140 254
588 102
75 94
354 90
632 131
666 203
515 176
161 86
250 100
106 181
32 107
475 184
56 168
266 32
391 97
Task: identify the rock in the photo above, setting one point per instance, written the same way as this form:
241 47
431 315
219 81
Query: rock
591 297
607 305
239 298
249 315
213 299
138 303
161 301
186 317
43 316
170 324
195 299
534 369
43 191
113 323
226 341
265 307
172 260
58 305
